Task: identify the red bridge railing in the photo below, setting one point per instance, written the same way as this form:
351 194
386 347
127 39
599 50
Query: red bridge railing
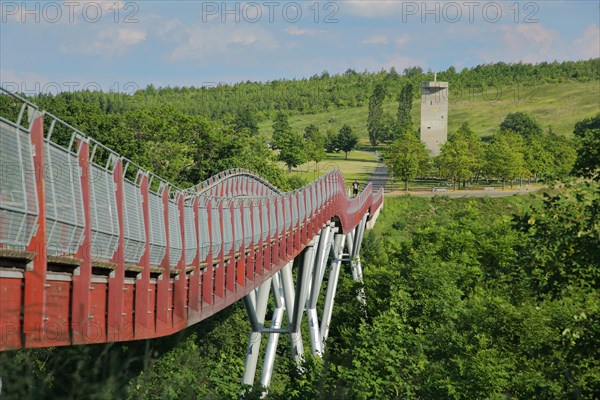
93 248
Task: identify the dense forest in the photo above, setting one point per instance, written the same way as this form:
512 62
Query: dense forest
324 92
465 299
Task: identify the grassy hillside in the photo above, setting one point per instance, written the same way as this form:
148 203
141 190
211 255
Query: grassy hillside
360 165
558 105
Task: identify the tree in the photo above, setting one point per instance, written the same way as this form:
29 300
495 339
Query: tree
405 99
347 139
406 158
375 114
388 128
564 228
246 120
522 124
537 157
549 156
281 125
587 133
315 143
504 157
413 72
291 145
331 141
564 153
461 155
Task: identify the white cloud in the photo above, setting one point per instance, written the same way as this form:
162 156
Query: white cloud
375 39
30 83
127 37
222 40
400 62
397 60
535 43
372 8
168 29
295 31
588 44
525 42
109 42
402 41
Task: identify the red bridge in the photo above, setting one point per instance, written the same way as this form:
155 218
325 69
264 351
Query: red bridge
95 249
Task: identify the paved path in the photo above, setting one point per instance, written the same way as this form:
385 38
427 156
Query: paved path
380 177
465 193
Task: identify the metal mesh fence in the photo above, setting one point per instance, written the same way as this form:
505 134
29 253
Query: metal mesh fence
238 234
308 197
301 206
272 219
134 222
103 207
191 240
203 230
256 222
64 203
265 221
227 230
280 221
294 210
320 194
287 212
158 237
247 225
216 232
175 244
18 196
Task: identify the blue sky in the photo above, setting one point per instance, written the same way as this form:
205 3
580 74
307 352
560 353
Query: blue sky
114 45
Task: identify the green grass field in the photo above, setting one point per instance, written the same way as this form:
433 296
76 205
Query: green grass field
557 105
359 165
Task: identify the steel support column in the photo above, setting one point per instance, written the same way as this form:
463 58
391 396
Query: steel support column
256 312
334 274
273 340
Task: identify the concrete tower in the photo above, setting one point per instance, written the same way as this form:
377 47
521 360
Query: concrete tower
434 115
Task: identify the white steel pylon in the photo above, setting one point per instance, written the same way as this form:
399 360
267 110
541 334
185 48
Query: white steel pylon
325 250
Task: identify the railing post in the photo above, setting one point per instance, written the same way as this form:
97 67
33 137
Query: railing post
143 324
251 260
220 270
241 262
34 302
180 288
116 279
194 286
231 263
163 287
259 254
207 275
82 276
